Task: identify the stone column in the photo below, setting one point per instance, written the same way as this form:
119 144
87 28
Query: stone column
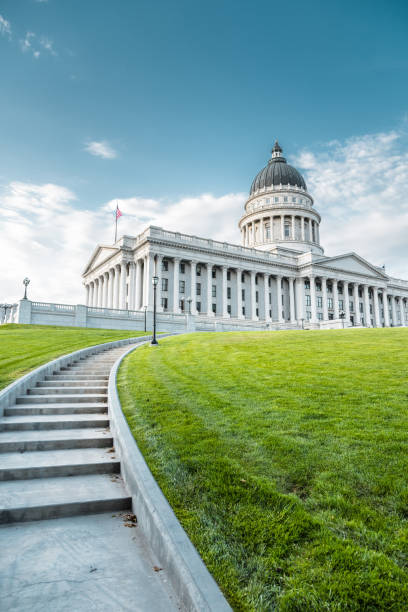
224 291
357 317
266 297
261 230
346 302
209 290
279 297
335 299
111 288
138 297
239 294
324 299
282 218
116 297
158 272
123 285
101 291
303 228
367 315
377 318
402 311
292 300
253 300
386 311
176 297
106 294
193 282
394 311
313 299
300 292
132 285
92 294
96 293
87 293
293 227
271 229
149 273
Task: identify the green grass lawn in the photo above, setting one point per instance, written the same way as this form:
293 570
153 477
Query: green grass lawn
25 347
284 455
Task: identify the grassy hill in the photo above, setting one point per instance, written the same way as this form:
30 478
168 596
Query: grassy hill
284 455
25 347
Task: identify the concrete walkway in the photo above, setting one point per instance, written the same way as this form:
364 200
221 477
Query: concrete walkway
57 462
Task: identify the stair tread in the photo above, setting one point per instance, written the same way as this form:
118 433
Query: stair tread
60 490
54 434
39 418
33 459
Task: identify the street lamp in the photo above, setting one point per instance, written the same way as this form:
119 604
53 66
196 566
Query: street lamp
155 280
26 282
145 308
303 323
342 315
189 300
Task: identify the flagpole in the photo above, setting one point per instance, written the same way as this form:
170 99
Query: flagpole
116 224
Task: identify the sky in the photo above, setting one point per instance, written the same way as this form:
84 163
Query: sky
171 108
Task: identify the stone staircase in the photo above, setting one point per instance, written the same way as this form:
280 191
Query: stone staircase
56 455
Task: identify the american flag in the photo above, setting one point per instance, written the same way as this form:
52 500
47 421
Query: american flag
118 212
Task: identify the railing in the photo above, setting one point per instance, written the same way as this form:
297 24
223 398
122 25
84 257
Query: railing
53 307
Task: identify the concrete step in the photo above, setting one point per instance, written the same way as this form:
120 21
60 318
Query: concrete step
54 439
65 390
62 399
78 377
22 423
50 464
34 409
46 498
56 382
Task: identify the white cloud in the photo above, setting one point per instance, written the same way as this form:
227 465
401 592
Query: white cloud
5 27
48 45
32 44
101 149
360 189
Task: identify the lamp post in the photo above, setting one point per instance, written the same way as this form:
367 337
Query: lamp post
155 280
26 282
303 323
145 308
342 315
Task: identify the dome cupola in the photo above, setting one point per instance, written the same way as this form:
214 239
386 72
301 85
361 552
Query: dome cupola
277 172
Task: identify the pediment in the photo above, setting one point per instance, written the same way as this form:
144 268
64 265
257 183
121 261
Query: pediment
351 262
101 254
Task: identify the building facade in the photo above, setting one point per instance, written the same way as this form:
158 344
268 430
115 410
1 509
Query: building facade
277 278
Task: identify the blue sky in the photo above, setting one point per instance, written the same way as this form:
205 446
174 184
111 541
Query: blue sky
158 103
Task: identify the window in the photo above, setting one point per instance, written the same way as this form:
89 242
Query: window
330 302
214 273
308 302
330 316
164 303
329 288
182 268
267 200
198 289
318 286
276 199
361 307
270 298
285 199
165 284
198 270
228 274
243 295
307 284
351 306
267 232
182 286
229 309
214 308
287 230
350 291
293 199
341 304
228 293
319 302
340 290
308 315
360 293
283 300
214 291
320 316
257 296
243 277
270 314
165 265
257 312
198 306
243 310
371 309
181 304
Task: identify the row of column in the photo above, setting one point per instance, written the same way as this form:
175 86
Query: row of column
375 315
248 230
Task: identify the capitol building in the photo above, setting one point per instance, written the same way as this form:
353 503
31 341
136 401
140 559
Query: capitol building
279 277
